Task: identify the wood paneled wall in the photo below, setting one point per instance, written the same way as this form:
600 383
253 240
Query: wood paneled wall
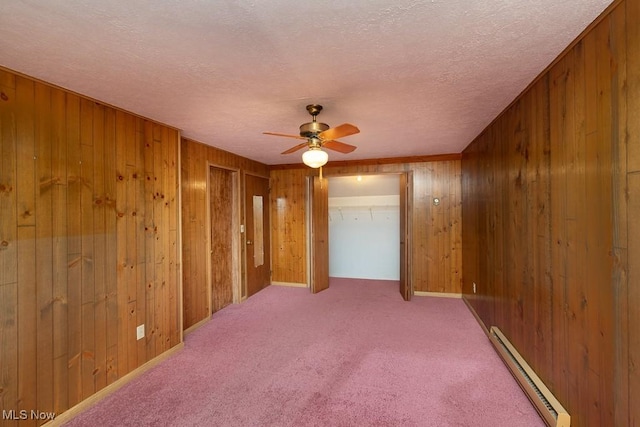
550 203
437 231
88 232
288 225
196 159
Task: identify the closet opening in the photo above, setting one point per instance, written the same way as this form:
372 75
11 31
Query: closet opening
364 227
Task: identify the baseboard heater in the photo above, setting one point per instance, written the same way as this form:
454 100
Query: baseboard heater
544 401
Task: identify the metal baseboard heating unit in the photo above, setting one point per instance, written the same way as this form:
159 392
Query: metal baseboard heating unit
544 401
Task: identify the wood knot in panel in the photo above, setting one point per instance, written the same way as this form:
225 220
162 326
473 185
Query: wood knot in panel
4 96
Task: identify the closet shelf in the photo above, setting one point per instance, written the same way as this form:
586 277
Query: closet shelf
363 209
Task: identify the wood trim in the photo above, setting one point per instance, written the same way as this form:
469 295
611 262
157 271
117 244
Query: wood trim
208 247
196 325
437 294
220 166
258 175
179 241
291 284
381 161
87 403
238 236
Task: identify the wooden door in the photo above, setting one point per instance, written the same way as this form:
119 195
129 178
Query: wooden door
406 196
221 220
257 241
319 253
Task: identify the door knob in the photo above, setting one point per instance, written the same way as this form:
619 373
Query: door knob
249 242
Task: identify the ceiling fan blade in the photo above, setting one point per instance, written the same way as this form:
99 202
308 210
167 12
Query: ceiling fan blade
338 146
343 130
295 148
284 134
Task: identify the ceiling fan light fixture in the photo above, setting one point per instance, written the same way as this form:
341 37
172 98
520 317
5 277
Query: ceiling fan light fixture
315 157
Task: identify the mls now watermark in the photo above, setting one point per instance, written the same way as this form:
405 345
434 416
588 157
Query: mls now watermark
23 414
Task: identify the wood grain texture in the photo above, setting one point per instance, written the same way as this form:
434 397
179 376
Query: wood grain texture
288 229
319 244
436 231
619 133
221 213
629 386
257 236
546 235
71 198
405 190
196 159
8 245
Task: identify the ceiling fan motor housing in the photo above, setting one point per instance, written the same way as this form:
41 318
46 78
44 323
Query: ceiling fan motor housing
312 129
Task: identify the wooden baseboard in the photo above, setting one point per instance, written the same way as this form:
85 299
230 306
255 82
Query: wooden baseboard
70 413
437 294
196 326
290 284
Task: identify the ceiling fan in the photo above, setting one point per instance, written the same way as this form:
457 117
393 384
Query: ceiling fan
319 135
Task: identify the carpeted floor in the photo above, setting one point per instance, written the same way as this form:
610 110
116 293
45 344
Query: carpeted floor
354 355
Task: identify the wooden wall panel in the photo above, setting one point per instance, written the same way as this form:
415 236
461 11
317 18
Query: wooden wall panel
9 346
628 271
288 225
196 159
73 257
437 231
547 190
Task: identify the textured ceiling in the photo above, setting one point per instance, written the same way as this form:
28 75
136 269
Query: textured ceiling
417 77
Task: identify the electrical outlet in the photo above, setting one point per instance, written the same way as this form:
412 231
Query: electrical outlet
140 332
474 287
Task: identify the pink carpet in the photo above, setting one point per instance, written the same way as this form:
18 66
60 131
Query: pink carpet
354 355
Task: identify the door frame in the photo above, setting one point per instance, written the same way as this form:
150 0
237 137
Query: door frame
408 226
236 239
406 235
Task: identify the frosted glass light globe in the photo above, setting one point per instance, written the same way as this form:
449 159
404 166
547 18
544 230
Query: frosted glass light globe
315 157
